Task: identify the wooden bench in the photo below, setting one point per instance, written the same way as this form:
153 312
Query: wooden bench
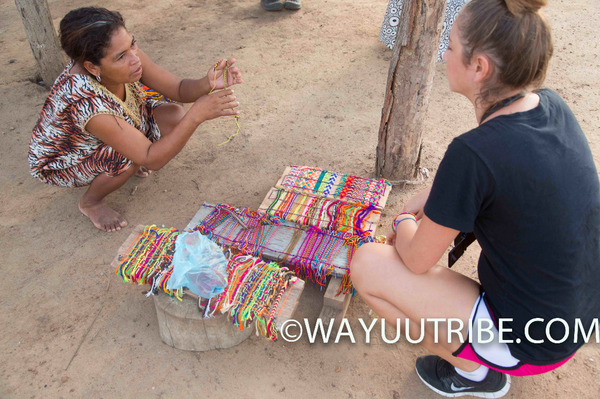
334 307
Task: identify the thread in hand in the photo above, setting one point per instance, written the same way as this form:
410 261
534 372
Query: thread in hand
224 88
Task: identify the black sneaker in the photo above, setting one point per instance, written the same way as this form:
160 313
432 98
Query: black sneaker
440 376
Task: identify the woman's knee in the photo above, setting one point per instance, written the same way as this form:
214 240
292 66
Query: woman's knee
362 258
167 116
364 265
125 175
178 112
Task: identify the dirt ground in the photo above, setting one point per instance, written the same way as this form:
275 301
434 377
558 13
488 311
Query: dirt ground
313 92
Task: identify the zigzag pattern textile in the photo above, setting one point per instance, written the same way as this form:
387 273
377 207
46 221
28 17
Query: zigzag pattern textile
321 212
310 252
153 94
348 188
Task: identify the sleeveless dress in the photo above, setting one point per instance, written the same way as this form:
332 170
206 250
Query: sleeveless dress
62 152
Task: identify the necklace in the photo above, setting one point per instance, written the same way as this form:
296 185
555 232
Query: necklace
501 104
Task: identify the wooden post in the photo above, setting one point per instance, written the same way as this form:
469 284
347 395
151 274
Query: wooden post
409 84
46 50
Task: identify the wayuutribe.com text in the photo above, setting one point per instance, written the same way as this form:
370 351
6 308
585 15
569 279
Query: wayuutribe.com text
292 330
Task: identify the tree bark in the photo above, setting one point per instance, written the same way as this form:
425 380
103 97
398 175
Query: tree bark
42 38
409 85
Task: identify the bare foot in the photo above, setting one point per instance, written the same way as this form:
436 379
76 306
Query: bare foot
102 216
143 172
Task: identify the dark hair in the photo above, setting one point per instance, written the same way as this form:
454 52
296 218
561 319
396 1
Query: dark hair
85 33
516 38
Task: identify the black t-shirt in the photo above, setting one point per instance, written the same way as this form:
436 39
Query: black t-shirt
527 185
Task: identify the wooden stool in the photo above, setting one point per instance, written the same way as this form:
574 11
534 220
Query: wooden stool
182 326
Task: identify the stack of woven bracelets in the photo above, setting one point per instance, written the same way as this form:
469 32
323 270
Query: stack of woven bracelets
148 260
254 289
320 212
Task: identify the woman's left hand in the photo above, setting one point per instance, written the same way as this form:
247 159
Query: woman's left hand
216 74
390 239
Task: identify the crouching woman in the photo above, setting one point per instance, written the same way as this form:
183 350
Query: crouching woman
99 127
525 183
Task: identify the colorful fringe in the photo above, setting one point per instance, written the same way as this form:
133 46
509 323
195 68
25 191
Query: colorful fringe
253 292
316 251
148 259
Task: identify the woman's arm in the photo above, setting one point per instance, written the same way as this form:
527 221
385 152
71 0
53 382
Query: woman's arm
133 144
421 246
186 90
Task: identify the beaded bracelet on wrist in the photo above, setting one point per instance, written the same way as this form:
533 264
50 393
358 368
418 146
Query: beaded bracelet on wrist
403 216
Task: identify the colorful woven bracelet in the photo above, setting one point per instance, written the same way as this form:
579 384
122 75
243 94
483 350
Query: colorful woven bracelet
407 215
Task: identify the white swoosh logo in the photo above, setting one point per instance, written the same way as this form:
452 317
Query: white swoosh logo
457 389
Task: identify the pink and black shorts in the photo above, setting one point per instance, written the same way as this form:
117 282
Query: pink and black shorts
496 355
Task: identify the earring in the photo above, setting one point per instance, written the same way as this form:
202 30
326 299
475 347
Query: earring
98 78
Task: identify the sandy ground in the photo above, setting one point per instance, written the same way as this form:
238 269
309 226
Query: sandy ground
313 95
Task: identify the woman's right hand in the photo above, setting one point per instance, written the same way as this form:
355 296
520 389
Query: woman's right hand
214 105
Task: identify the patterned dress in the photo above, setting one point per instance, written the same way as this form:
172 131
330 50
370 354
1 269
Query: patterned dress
389 28
62 152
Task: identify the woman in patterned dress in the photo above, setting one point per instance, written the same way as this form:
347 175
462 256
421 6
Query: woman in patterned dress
98 127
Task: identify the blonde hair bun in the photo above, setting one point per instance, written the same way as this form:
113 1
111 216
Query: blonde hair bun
518 7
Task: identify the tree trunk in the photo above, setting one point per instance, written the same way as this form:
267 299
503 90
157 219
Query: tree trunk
46 50
408 89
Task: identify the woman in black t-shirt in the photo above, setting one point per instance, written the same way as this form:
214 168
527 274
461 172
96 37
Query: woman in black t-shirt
525 183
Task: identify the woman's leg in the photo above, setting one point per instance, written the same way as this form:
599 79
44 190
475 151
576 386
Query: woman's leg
394 292
92 203
167 116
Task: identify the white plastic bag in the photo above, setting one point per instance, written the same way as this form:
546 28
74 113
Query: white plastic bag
198 264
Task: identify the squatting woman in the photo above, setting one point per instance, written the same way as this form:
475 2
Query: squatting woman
524 181
98 126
